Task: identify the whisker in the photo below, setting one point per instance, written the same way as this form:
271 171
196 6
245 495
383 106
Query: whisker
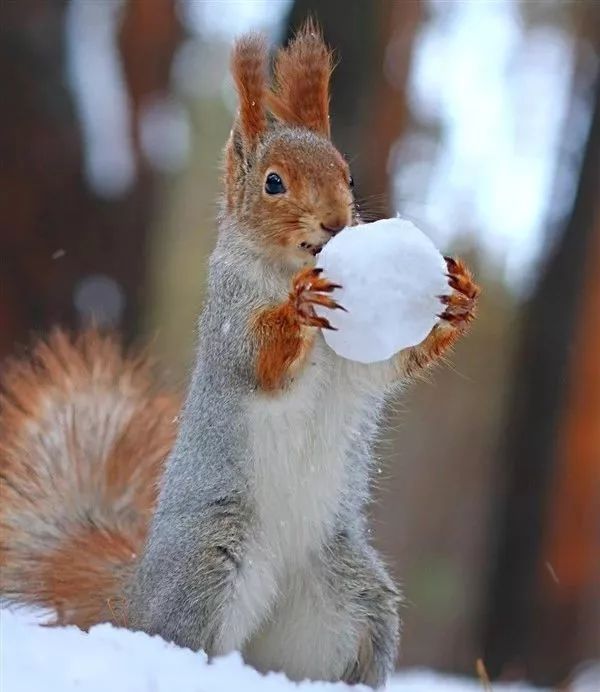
371 205
378 195
298 206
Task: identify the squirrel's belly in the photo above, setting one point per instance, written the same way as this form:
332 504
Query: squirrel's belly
299 443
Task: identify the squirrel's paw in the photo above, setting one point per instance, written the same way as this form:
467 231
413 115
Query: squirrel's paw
461 303
309 288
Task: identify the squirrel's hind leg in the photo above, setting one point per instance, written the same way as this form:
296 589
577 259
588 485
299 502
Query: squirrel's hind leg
336 620
360 579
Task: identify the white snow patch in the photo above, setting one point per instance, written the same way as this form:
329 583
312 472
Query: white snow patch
66 659
391 276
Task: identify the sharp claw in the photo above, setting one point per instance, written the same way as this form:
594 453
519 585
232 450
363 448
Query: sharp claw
335 306
326 287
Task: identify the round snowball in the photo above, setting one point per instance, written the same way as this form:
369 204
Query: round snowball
391 276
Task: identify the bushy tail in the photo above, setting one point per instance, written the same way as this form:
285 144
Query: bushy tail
83 436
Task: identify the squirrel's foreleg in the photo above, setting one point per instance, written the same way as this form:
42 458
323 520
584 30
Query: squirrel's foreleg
459 312
285 333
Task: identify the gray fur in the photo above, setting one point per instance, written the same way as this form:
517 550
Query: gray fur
335 604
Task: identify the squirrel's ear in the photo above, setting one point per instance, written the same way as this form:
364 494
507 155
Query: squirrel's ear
249 70
302 73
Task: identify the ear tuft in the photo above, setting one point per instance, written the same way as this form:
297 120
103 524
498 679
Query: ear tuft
302 73
249 70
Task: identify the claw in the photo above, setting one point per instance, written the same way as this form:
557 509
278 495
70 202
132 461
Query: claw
457 300
460 303
454 281
308 289
322 322
456 317
328 302
324 286
448 317
451 262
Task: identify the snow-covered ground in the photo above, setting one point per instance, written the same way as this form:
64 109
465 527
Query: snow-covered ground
35 658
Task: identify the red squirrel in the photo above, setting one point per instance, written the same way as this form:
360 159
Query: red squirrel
237 522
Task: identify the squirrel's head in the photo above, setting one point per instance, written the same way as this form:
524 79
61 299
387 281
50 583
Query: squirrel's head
285 183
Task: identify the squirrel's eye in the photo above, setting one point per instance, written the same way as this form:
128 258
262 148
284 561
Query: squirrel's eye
351 181
274 184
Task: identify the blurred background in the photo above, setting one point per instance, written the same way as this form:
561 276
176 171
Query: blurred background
477 119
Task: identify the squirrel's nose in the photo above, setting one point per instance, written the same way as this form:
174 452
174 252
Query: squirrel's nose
333 226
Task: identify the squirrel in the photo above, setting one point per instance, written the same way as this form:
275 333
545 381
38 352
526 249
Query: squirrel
238 521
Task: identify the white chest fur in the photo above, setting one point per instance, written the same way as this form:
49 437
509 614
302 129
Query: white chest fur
297 471
299 442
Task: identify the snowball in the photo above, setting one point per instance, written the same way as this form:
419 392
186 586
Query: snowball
391 276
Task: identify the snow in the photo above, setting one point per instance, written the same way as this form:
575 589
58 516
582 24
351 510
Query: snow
391 276
107 658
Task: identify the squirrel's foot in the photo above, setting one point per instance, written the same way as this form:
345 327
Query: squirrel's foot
310 288
461 303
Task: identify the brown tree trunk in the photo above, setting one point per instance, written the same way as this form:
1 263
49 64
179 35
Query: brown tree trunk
568 574
55 232
533 456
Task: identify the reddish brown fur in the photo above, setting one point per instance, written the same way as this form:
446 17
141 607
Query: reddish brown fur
248 67
459 313
317 195
81 422
293 225
278 333
82 579
302 74
286 332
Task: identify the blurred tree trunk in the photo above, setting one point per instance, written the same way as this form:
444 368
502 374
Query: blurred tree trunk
373 43
568 573
544 389
55 231
149 36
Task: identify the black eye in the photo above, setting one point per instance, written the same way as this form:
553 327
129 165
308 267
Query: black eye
274 185
351 182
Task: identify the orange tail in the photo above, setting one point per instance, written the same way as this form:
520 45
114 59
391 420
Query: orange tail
83 436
